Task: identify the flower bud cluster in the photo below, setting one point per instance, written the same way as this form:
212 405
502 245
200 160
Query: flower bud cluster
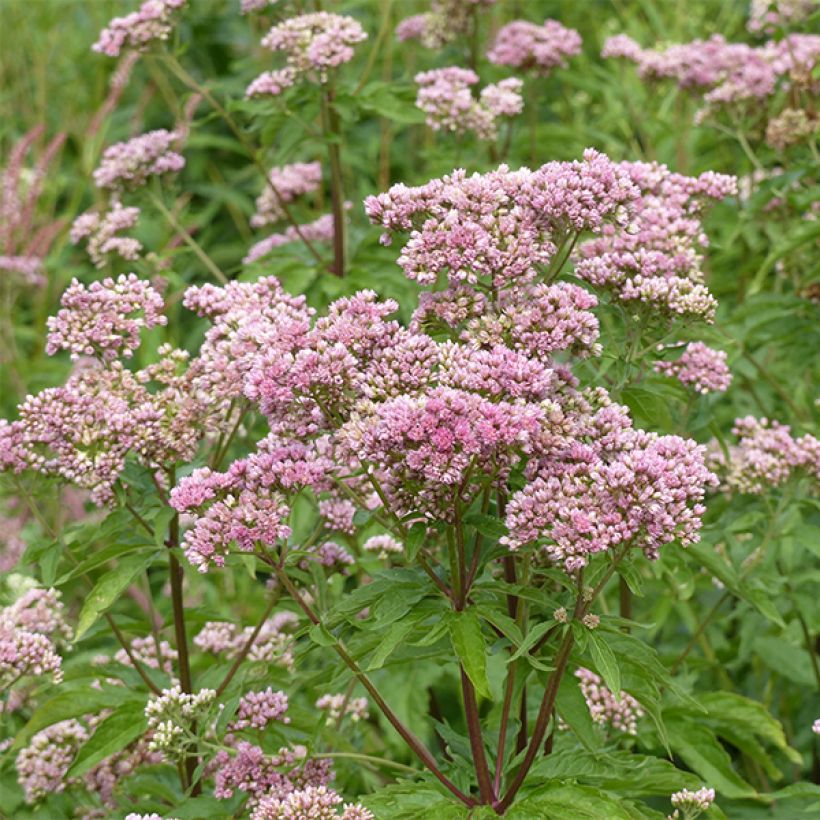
129 165
313 44
313 801
621 713
528 46
257 709
153 21
287 183
700 367
691 803
446 21
101 232
273 643
445 97
173 717
339 706
765 457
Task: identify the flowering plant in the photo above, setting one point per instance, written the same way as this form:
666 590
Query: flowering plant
373 490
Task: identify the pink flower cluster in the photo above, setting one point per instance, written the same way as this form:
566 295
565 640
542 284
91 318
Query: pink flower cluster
766 456
249 769
273 643
245 505
105 318
445 97
313 45
287 183
528 46
700 367
247 6
726 74
383 546
42 765
768 15
656 258
499 227
621 713
128 165
313 801
446 21
153 21
101 232
147 653
621 488
339 706
257 709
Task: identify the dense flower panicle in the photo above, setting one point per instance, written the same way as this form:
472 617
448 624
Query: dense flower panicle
311 802
273 644
313 45
257 709
700 367
245 505
247 318
656 259
382 545
154 20
330 555
434 441
83 431
24 653
528 46
38 610
724 73
287 183
172 716
107 775
340 706
621 713
446 98
446 21
338 515
128 165
538 320
249 769
320 230
766 456
271 83
640 490
42 765
499 227
104 318
767 16
692 803
101 232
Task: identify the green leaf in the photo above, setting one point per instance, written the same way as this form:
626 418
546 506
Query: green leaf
115 732
468 644
698 747
71 704
321 635
648 407
415 540
605 662
393 637
532 638
108 589
576 802
572 707
413 801
100 557
487 525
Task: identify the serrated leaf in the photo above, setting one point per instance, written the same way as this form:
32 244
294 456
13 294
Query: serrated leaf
108 589
321 635
468 644
605 662
415 540
393 637
99 558
573 709
112 735
532 637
